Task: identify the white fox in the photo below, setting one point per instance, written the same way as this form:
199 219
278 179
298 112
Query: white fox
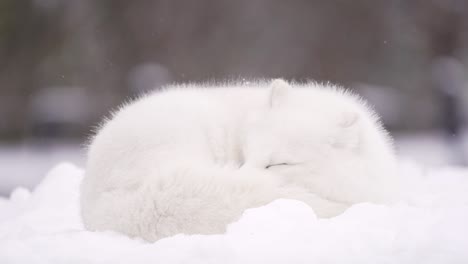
191 158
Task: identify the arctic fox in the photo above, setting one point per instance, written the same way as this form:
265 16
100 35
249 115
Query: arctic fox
190 159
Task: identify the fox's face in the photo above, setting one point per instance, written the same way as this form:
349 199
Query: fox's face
297 130
304 140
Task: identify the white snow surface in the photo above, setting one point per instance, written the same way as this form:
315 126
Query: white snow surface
430 225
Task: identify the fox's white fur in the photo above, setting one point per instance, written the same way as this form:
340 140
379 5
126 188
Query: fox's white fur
190 159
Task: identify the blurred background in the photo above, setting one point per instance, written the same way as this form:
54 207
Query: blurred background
66 64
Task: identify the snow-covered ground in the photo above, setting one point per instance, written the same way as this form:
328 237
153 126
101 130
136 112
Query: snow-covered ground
432 149
26 164
428 226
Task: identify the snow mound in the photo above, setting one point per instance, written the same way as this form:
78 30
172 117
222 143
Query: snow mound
429 227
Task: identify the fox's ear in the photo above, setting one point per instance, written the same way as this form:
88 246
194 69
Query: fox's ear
348 119
279 90
349 131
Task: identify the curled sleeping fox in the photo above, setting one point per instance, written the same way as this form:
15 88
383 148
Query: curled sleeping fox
191 158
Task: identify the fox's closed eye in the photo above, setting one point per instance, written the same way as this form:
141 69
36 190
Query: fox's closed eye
276 165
